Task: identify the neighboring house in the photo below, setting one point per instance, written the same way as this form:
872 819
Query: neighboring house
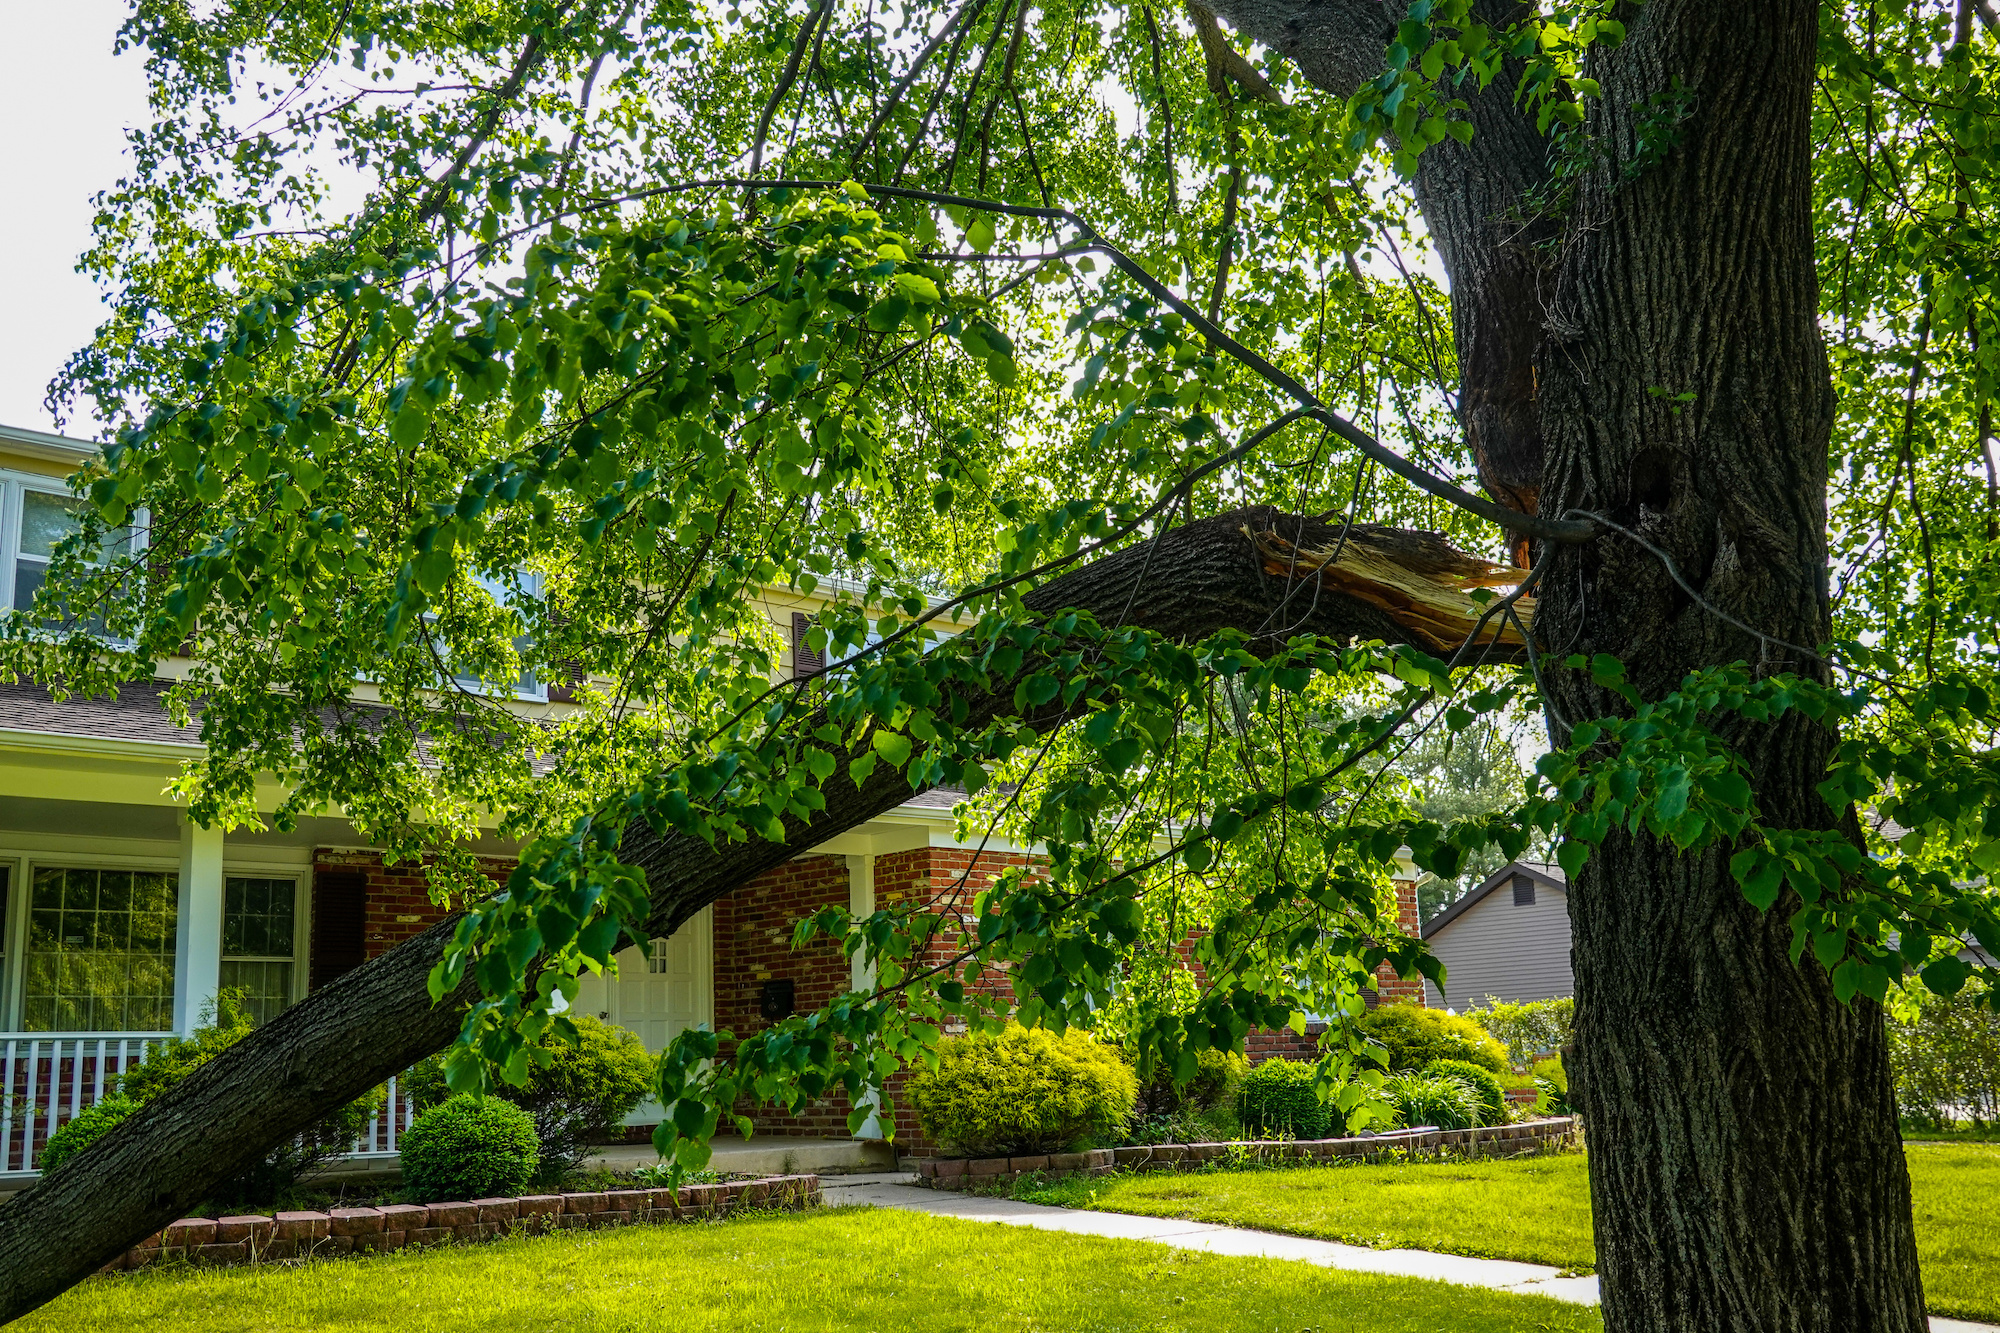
1508 938
120 920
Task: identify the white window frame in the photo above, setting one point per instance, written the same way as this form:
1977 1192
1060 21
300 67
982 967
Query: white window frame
301 920
531 586
20 864
13 485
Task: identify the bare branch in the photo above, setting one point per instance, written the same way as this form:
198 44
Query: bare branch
1224 62
786 78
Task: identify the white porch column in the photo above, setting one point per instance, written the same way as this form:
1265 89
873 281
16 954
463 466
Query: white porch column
198 941
861 903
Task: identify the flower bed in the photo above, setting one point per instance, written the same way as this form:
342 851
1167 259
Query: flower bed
1521 1140
260 1238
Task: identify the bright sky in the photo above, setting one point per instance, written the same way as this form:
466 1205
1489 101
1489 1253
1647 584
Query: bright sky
64 103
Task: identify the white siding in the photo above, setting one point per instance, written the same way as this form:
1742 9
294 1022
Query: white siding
1496 948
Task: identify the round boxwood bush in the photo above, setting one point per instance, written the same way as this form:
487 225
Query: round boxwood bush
1431 1099
1491 1091
595 1075
469 1148
1281 1097
1414 1036
1023 1090
86 1128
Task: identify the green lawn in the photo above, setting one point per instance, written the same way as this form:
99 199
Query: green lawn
846 1269
1536 1210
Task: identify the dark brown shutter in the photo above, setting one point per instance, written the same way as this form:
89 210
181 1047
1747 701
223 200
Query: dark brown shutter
566 673
1524 891
562 686
339 924
805 662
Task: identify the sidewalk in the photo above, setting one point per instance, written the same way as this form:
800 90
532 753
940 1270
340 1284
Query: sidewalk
893 1191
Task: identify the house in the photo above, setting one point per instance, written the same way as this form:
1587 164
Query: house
120 919
1507 938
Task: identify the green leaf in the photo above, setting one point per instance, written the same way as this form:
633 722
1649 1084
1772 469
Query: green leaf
1570 855
407 430
887 314
1946 976
893 746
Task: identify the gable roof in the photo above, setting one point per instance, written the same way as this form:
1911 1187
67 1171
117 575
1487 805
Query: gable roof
1542 871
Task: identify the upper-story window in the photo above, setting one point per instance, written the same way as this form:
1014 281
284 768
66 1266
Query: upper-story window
36 514
527 586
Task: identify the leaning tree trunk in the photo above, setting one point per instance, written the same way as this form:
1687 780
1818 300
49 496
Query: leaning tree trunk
1746 1170
378 1020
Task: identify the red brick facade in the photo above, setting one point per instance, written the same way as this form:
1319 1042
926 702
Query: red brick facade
399 897
753 946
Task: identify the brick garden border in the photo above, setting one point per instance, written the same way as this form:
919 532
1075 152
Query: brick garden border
260 1238
1522 1140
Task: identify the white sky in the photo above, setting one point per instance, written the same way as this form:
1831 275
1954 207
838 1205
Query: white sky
64 103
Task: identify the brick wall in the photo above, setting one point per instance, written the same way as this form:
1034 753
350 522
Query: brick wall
753 945
399 897
1269 1044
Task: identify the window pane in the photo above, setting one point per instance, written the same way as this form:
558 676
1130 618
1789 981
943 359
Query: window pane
266 985
257 942
47 519
99 956
28 578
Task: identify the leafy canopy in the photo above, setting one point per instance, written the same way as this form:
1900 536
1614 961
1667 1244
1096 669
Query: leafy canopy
457 343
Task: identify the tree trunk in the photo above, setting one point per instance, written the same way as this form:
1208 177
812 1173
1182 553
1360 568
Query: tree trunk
1746 1169
377 1020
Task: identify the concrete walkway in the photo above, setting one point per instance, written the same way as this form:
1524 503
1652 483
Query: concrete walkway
888 1190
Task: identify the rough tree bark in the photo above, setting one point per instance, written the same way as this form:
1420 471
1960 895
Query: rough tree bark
378 1020
1746 1168
1747 1172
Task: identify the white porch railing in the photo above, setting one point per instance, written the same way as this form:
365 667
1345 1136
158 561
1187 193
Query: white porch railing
47 1078
386 1125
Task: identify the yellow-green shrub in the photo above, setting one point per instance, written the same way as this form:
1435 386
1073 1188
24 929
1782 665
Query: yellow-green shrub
1023 1091
1414 1036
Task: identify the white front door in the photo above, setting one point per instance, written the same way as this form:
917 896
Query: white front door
675 989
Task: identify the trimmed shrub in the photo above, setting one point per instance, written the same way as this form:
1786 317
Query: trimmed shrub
1023 1090
1282 1097
1216 1072
1431 1099
469 1148
1553 1085
1414 1036
1528 1030
593 1080
88 1126
224 1023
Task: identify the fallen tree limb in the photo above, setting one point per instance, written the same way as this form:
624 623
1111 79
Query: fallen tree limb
1252 570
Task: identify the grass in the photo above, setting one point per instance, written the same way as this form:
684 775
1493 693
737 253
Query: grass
1536 1210
847 1269
1955 1192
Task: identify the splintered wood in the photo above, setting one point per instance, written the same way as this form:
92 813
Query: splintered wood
1418 578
